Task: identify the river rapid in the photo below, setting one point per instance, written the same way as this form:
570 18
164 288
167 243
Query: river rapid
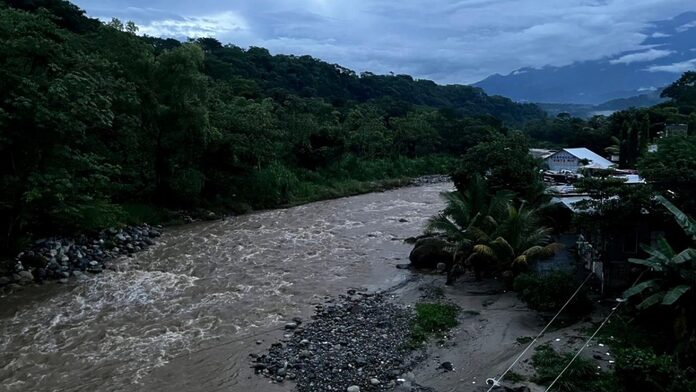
185 314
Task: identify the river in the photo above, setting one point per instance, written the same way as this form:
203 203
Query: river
185 314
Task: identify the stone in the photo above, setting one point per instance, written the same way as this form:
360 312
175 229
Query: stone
25 276
374 381
429 252
353 388
447 366
441 267
290 325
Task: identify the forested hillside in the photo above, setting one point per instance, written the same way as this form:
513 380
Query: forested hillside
100 126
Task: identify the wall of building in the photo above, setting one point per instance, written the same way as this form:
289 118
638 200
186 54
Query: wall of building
563 161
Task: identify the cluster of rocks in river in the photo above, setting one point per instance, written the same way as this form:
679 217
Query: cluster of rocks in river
60 258
355 343
432 179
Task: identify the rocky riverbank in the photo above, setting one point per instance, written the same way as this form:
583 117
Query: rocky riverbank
357 342
60 258
432 179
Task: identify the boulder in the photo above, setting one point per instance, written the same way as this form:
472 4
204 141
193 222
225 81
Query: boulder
429 252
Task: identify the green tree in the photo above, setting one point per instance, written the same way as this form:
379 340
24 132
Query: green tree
505 162
672 170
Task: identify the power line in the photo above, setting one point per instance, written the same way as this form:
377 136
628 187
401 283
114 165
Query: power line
606 319
496 382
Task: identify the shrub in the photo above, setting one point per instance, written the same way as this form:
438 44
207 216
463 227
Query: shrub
186 186
640 369
432 318
581 376
548 293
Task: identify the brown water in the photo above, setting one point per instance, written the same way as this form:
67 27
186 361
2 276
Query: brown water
184 315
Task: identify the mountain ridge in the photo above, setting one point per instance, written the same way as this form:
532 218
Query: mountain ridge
667 51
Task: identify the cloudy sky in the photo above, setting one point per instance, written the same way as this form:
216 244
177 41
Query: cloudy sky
448 41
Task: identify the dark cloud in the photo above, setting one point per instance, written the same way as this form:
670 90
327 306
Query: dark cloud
448 41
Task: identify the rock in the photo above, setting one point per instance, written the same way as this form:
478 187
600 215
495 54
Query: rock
353 388
441 267
25 276
290 326
447 366
403 220
374 381
429 252
32 260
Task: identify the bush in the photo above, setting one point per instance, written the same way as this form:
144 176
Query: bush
432 318
548 293
272 185
186 185
581 376
640 369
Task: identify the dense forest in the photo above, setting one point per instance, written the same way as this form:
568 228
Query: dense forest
100 126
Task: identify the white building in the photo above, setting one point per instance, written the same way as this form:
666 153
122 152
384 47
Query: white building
574 159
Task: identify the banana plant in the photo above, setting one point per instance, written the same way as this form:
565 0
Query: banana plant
675 272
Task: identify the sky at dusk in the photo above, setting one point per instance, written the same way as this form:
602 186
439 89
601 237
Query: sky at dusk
446 41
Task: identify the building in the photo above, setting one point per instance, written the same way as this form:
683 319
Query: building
574 159
541 153
676 130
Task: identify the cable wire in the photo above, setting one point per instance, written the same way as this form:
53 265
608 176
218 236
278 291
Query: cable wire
496 382
606 319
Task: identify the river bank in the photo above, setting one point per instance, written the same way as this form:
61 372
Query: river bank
358 340
60 258
186 313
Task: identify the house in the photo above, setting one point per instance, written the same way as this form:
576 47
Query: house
676 130
541 153
574 159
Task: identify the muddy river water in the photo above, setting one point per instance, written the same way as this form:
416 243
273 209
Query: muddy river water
185 314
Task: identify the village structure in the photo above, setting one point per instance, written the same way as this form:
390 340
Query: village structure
605 254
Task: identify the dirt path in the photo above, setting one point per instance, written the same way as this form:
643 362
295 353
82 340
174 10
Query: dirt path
485 343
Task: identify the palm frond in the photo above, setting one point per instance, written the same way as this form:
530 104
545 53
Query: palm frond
484 250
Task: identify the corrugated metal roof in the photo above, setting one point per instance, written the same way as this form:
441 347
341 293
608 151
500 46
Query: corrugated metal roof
596 160
570 202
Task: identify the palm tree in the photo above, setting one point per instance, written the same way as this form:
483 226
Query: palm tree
468 214
517 240
490 229
676 271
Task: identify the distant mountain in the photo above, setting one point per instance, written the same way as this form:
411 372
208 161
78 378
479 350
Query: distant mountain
669 50
605 108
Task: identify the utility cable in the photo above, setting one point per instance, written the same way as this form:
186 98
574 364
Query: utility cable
496 382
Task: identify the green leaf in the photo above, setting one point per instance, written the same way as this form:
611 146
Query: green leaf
651 300
674 294
648 263
684 256
687 223
640 287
